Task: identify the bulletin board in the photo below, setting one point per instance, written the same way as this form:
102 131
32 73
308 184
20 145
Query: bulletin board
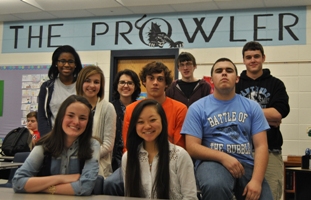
1 97
19 88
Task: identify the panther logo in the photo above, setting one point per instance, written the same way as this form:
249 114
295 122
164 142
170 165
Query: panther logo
157 38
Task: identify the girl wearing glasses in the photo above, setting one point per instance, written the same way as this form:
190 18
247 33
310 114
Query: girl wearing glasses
126 89
91 85
66 65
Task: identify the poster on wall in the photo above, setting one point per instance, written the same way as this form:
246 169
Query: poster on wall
1 96
208 79
19 88
30 90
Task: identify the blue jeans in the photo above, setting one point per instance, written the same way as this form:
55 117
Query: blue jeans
113 184
216 182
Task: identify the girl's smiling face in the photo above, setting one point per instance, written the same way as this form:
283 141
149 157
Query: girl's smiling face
75 120
149 125
91 86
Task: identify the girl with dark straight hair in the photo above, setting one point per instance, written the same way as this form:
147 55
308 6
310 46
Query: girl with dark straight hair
152 166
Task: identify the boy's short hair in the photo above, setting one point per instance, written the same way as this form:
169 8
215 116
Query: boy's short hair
186 56
253 46
156 67
223 60
32 114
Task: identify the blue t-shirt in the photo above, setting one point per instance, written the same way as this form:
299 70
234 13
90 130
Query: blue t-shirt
226 126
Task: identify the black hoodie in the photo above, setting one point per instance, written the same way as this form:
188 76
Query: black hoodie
269 92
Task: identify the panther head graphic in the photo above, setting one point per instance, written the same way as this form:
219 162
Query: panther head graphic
157 38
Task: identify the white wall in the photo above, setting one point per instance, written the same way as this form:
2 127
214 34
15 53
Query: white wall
296 76
291 64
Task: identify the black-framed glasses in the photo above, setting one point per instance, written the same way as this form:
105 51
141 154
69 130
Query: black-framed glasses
123 83
63 62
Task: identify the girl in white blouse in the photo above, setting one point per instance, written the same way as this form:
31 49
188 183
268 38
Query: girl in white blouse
152 166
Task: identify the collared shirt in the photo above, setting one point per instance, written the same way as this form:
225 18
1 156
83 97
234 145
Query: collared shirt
66 163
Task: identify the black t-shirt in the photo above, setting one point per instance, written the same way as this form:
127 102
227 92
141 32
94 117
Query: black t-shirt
187 87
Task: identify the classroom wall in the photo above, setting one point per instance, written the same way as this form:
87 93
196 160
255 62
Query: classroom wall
291 64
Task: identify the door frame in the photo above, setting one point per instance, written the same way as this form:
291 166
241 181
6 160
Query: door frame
136 54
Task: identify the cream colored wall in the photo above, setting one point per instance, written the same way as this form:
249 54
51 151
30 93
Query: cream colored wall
295 75
100 58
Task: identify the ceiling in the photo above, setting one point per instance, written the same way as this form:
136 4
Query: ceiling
26 10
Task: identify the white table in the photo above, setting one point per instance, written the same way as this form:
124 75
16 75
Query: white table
6 157
8 193
9 165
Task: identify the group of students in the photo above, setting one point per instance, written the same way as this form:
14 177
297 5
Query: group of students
178 139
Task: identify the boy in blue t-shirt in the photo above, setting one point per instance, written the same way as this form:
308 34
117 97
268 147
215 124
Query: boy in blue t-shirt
221 131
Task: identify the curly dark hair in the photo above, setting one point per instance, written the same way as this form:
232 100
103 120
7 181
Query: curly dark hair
135 80
53 71
156 67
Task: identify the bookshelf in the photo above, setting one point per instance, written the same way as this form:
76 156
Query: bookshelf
290 176
301 183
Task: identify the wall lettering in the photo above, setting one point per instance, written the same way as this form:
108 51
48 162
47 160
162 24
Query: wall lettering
195 30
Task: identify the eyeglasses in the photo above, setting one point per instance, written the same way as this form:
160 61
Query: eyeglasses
186 64
123 83
70 62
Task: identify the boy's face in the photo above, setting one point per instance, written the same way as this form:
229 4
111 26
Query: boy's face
253 61
32 123
155 85
224 75
186 69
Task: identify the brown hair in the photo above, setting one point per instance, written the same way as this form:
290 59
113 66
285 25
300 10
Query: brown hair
253 46
224 60
32 114
186 56
156 67
54 141
87 72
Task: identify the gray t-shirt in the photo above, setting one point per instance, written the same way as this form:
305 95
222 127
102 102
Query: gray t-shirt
60 93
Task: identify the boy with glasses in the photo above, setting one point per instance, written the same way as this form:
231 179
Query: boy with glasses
188 89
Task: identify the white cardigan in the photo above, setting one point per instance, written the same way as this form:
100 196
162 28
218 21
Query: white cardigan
182 179
104 127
